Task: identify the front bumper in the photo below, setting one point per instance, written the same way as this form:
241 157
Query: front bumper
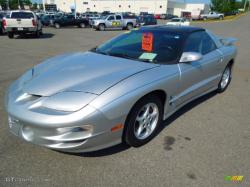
82 131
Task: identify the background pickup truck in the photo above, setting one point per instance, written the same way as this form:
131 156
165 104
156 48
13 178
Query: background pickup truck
22 22
212 15
70 20
114 21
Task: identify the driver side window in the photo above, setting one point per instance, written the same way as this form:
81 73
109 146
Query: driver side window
111 18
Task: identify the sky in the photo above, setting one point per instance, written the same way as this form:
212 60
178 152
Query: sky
188 1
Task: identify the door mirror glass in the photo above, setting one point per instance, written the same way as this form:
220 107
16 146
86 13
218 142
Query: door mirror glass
190 57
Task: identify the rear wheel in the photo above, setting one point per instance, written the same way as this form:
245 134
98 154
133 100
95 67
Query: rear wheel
10 35
225 79
129 26
143 121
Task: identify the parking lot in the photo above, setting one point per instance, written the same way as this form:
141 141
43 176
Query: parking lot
199 145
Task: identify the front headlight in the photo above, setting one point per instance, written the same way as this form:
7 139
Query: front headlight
68 101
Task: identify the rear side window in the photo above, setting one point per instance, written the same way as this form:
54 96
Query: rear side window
22 15
199 42
193 43
208 44
118 17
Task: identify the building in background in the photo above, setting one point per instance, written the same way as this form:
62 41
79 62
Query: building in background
175 7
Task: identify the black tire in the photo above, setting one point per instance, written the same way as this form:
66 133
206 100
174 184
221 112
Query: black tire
82 25
37 34
101 27
222 88
10 35
57 25
1 30
129 136
130 26
221 17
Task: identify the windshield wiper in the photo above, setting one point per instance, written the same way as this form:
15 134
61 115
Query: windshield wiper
122 55
147 60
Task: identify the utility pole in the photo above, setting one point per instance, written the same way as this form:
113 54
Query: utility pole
44 5
245 5
75 8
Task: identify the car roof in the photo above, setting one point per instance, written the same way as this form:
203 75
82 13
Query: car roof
173 29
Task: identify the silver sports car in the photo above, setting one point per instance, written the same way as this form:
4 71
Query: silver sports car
120 91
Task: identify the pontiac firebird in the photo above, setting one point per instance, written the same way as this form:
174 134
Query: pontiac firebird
120 91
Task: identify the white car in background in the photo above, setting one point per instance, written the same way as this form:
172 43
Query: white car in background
179 21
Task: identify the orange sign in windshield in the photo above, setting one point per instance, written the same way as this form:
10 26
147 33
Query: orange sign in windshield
147 41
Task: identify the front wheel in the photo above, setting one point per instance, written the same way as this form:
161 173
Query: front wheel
225 79
143 121
57 26
101 27
37 34
82 25
10 35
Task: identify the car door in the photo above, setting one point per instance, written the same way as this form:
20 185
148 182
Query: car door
71 20
110 21
65 21
199 76
118 20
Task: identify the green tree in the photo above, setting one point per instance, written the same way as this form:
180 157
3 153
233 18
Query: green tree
4 4
223 6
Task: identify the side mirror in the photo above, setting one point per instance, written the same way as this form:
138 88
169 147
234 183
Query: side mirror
190 57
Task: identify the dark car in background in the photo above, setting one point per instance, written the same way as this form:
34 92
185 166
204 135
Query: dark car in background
146 20
168 16
70 20
1 24
232 13
47 20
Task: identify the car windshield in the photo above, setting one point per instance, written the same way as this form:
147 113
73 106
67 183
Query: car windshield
147 46
103 17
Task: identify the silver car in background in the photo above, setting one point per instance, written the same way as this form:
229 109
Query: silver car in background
120 91
114 21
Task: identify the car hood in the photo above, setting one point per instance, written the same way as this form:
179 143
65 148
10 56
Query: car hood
86 72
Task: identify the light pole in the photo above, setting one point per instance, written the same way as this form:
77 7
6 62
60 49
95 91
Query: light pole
75 8
44 5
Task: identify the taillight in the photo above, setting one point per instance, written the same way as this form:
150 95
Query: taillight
4 23
34 23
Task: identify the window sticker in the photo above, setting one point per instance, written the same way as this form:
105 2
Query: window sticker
148 56
147 41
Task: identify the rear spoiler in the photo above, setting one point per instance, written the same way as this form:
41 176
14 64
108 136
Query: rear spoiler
228 41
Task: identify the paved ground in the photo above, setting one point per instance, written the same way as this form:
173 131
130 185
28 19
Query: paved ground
200 145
